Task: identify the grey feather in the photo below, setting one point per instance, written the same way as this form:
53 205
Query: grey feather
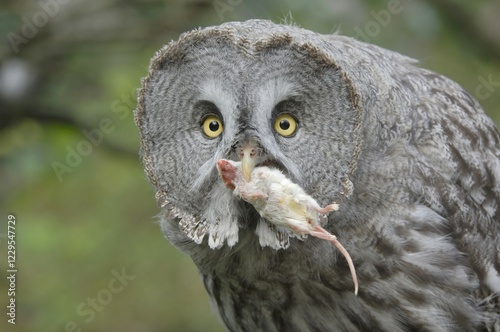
410 156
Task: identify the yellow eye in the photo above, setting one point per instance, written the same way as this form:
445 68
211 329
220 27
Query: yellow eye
285 125
212 126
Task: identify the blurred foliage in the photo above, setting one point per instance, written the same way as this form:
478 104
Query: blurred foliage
81 66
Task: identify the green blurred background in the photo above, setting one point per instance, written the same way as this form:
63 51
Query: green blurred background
71 67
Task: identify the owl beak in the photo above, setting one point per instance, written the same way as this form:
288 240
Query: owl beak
247 157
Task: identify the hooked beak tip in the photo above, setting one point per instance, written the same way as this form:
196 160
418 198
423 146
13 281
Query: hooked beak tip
247 165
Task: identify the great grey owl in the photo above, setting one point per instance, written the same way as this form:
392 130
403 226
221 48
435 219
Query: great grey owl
409 156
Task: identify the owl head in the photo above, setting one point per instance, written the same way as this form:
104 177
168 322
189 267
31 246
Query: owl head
255 91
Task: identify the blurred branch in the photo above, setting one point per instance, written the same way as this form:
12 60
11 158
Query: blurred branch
12 115
465 25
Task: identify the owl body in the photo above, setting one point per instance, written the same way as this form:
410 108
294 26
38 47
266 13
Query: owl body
410 157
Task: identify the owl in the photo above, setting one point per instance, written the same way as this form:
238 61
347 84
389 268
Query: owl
411 159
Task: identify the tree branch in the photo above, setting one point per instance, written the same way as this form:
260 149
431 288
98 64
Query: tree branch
12 115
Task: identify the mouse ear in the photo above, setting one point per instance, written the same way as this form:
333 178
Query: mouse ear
228 172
